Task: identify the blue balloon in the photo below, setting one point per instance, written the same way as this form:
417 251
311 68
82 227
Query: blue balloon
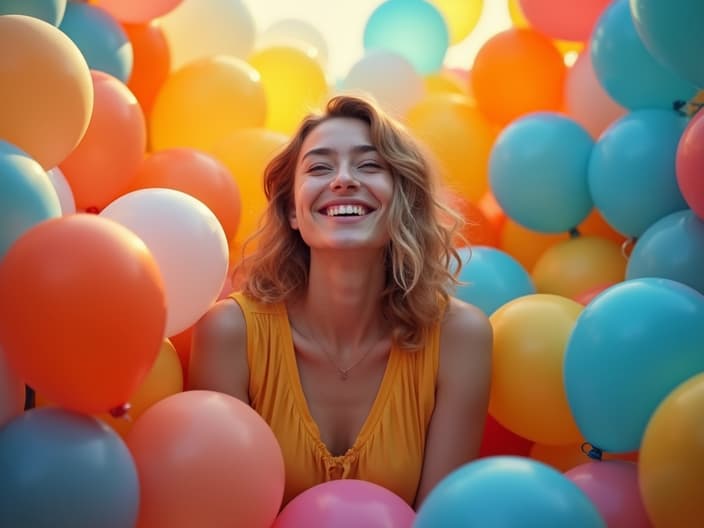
492 278
672 32
27 196
632 170
625 68
101 39
507 491
630 347
538 172
414 29
51 11
64 469
672 248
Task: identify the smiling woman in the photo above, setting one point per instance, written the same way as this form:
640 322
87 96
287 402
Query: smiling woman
344 338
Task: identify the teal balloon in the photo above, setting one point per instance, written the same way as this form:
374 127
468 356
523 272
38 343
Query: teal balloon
672 248
491 278
629 348
632 176
27 196
414 29
672 32
507 491
538 172
101 39
51 11
625 68
62 469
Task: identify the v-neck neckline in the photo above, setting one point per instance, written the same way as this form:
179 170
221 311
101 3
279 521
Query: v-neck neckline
302 403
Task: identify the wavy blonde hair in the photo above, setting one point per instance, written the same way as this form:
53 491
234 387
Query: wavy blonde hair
421 260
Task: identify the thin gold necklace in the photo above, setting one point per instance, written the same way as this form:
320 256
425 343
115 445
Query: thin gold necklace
343 372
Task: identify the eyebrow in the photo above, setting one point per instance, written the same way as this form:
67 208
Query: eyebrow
325 151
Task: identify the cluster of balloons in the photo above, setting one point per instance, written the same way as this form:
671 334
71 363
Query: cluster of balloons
571 145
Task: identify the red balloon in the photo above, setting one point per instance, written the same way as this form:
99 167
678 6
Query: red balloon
498 440
83 311
690 164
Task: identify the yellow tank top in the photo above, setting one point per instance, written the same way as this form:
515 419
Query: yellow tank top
389 448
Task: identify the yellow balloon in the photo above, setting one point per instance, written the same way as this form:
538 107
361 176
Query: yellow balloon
294 83
579 264
46 90
526 245
527 390
459 137
246 153
461 16
443 83
671 461
519 20
204 102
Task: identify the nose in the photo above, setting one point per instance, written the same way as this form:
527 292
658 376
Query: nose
344 179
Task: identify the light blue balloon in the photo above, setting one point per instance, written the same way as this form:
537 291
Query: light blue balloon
27 196
414 29
671 248
625 68
101 39
672 32
492 278
51 11
61 469
629 348
538 172
507 491
632 175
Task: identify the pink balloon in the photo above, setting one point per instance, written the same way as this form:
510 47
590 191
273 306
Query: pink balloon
586 100
138 11
612 485
564 19
346 504
690 164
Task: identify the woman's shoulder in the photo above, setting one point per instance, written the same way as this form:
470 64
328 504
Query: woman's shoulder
465 331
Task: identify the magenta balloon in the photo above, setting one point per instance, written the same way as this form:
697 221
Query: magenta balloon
346 504
690 164
564 19
612 485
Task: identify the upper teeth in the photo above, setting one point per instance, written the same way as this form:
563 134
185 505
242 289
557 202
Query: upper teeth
346 209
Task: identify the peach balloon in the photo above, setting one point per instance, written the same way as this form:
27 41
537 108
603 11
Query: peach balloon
526 245
137 11
46 91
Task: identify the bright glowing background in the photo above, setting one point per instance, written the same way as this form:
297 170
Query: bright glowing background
342 24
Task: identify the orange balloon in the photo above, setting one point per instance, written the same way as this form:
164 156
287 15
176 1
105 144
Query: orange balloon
246 153
46 92
164 379
565 457
525 245
671 461
595 225
198 174
516 72
100 168
578 264
83 311
527 391
477 231
459 137
151 63
206 459
492 211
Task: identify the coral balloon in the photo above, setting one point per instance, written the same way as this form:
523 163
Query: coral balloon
94 289
459 137
205 101
690 164
152 62
294 84
198 174
38 59
564 20
136 11
672 457
528 394
206 459
100 168
477 230
516 72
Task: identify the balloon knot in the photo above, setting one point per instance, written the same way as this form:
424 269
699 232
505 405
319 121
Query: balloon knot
574 233
121 411
92 210
627 247
592 451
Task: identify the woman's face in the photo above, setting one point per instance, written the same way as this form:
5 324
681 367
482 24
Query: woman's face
342 188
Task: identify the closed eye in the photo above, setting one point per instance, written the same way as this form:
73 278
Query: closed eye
318 169
370 165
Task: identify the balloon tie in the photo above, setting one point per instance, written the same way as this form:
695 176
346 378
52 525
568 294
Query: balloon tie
689 108
574 233
592 451
627 247
121 411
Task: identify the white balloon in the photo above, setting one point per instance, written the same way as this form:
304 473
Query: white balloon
63 191
188 244
296 33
